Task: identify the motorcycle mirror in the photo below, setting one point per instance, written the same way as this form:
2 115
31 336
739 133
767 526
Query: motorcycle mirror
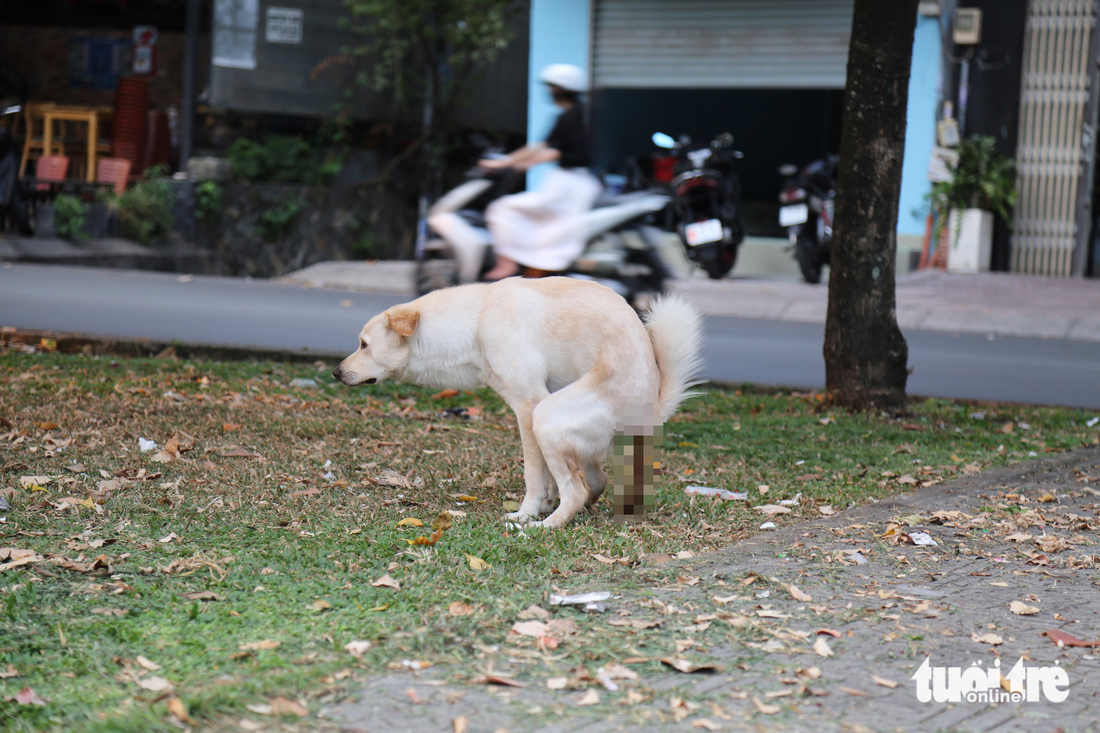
662 140
724 140
788 169
738 154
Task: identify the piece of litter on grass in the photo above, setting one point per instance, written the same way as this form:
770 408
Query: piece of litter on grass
1093 422
767 525
720 493
300 382
582 599
146 445
791 502
923 539
857 557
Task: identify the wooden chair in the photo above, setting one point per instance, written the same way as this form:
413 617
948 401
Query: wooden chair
114 171
34 119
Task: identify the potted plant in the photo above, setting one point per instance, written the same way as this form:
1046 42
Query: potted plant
983 182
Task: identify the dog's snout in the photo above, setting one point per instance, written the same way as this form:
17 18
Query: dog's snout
338 373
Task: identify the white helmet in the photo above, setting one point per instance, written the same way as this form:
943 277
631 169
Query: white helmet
568 77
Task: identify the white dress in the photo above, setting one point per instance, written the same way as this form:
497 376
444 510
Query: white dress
545 228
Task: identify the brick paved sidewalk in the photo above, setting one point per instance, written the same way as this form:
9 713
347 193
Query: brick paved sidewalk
1027 533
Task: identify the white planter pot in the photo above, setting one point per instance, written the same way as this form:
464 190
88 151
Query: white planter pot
970 237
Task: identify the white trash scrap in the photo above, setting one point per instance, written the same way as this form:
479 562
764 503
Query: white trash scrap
720 493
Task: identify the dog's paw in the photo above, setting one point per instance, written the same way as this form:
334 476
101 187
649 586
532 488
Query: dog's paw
518 518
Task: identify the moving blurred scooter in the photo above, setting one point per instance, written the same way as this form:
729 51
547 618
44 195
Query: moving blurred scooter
12 204
621 252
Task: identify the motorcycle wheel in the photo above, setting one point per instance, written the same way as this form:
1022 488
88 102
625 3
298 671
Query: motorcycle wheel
435 274
718 267
808 253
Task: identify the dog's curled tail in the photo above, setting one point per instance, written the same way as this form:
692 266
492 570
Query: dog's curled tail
676 330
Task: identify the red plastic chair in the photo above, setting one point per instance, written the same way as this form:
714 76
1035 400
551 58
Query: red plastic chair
50 170
114 171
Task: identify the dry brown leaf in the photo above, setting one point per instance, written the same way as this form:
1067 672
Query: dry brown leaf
119 612
687 666
827 510
357 648
1022 609
534 611
987 638
410 522
884 682
1063 639
147 663
822 648
201 595
705 723
154 684
177 708
771 509
255 646
320 605
10 672
27 696
283 706
386 582
443 521
460 724
798 595
590 697
764 707
557 683
808 673
476 563
531 628
458 608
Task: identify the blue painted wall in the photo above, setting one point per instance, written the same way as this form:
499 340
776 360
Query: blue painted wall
920 129
559 35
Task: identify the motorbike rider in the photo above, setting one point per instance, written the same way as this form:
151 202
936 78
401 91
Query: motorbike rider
544 229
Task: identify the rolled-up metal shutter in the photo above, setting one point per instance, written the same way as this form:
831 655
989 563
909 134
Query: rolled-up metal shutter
1052 140
794 44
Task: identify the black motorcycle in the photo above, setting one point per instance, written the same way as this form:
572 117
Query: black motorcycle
807 199
706 200
13 205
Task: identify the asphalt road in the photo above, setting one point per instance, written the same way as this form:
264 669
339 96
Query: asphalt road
268 315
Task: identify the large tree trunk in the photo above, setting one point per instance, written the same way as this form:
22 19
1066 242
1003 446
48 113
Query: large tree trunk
865 353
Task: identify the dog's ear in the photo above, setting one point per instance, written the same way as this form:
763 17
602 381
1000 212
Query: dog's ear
403 321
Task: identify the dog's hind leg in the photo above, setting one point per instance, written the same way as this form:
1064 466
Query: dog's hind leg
595 478
572 427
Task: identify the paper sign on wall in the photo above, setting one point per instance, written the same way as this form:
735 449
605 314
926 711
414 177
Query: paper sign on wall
284 25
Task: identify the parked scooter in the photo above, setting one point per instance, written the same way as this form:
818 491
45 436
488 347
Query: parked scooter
706 199
462 250
807 199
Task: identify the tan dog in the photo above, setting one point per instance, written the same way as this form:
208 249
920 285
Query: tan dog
570 357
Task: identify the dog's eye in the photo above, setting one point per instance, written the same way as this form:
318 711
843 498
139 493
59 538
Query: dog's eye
362 344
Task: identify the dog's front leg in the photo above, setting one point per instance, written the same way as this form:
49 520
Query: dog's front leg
535 472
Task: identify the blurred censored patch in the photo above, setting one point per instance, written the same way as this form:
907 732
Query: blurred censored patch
636 462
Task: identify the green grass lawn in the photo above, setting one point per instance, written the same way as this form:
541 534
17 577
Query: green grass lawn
289 503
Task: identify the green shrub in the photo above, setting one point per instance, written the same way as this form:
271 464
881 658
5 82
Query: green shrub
283 159
275 222
982 179
145 209
69 217
208 201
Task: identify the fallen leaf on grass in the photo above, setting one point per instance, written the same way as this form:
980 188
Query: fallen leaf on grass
27 696
534 611
231 426
827 510
445 394
427 541
1063 639
154 684
320 605
9 673
312 491
590 697
797 594
35 483
1022 609
476 563
808 673
884 682
255 646
764 707
687 666
495 679
460 724
410 522
465 497
851 691
76 468
201 595
119 612
531 628
147 663
771 509
48 425
168 538
635 623
357 648
442 522
458 608
987 638
1020 537
705 723
279 706
386 582
177 708
822 648
557 683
